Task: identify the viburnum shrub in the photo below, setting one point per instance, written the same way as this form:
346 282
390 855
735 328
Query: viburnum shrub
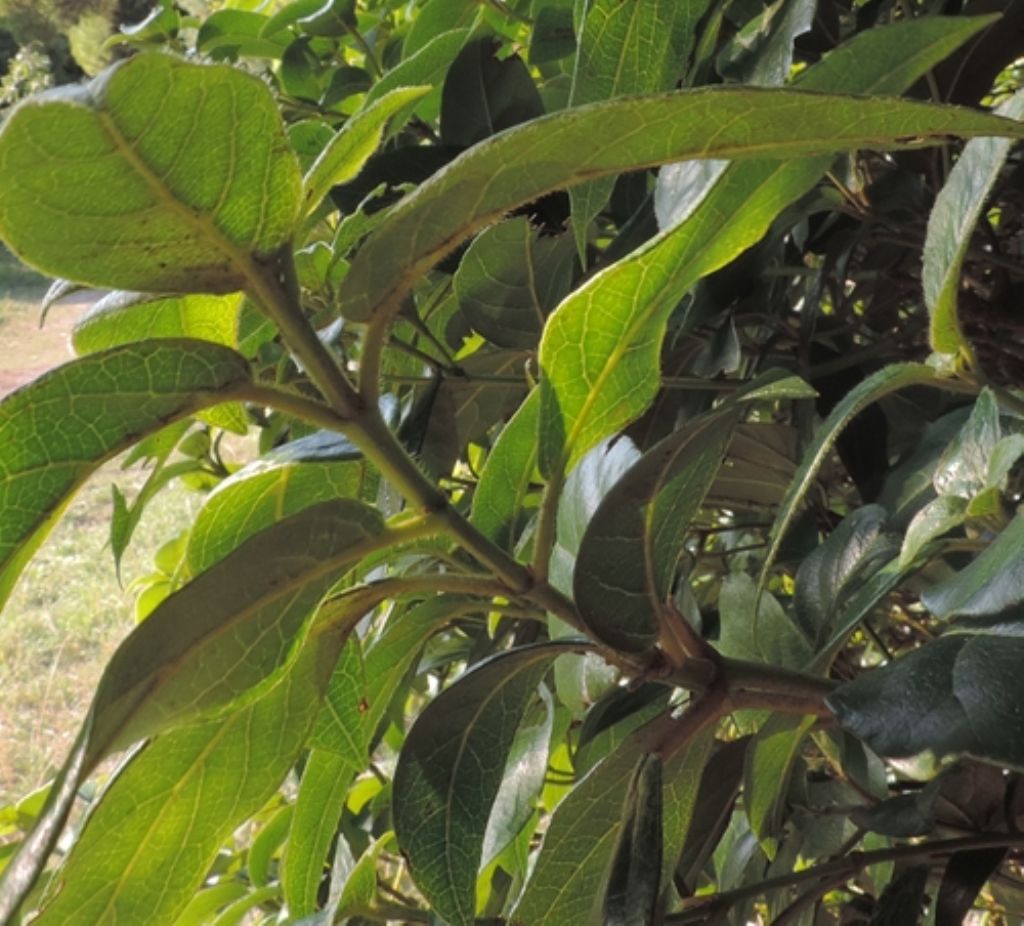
629 531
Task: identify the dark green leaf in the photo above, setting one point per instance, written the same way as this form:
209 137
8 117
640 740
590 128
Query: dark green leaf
115 397
992 583
450 769
484 94
957 694
510 279
940 515
963 468
964 877
887 380
834 571
761 53
770 758
628 557
205 180
767 635
634 882
902 901
566 887
951 225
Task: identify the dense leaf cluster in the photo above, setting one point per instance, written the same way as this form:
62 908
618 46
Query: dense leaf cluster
629 528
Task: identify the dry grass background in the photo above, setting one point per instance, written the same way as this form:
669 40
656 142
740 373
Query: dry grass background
68 611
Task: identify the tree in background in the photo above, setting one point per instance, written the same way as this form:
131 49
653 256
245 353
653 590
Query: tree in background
630 527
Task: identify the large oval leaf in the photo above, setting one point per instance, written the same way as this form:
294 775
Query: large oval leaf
57 431
206 182
450 769
628 557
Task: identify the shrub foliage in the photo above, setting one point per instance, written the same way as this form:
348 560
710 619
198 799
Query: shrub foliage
628 531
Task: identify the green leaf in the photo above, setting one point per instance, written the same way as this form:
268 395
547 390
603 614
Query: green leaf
990 584
756 628
322 793
122 317
360 889
266 843
958 694
567 885
887 380
341 727
510 279
940 515
950 227
206 182
347 152
450 769
499 498
834 571
634 882
232 627
963 468
1007 451
114 397
290 478
629 554
600 139
150 842
767 769
525 768
484 94
425 68
626 49
761 53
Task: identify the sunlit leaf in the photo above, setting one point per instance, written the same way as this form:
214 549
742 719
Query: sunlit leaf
206 182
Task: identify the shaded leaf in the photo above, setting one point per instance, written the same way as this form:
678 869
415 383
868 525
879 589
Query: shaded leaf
902 901
566 886
964 877
756 628
887 380
951 225
955 695
116 396
450 769
205 180
484 94
761 53
634 882
940 515
993 582
963 468
834 571
628 557
510 279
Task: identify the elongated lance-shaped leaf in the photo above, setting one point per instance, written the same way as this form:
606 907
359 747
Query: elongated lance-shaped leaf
322 794
341 728
626 49
122 317
634 882
951 224
887 380
152 838
505 480
627 561
567 884
206 183
449 771
566 148
347 152
600 351
232 627
56 431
